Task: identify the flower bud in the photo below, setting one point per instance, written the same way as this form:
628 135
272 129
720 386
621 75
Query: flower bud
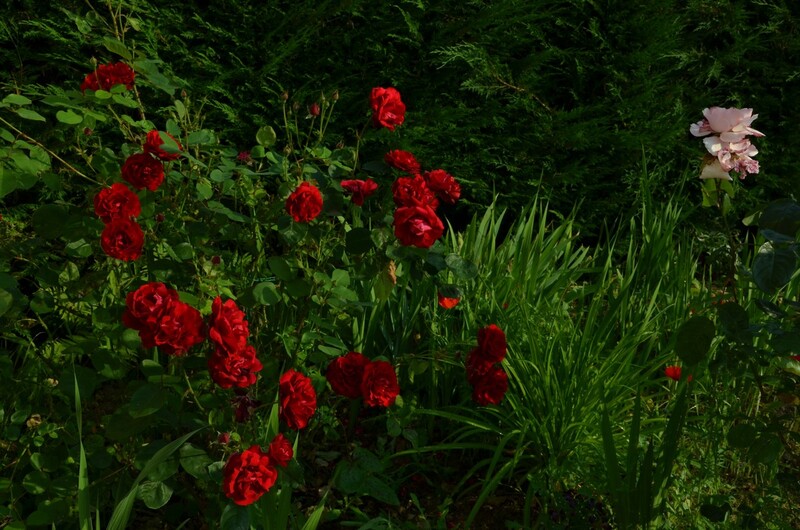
215 260
285 95
87 131
314 109
184 94
335 96
160 218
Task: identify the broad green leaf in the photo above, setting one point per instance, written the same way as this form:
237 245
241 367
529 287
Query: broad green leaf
266 293
766 448
69 117
201 137
280 268
733 320
235 517
180 108
218 207
782 216
125 101
380 490
16 99
462 268
6 301
266 136
147 400
694 339
115 46
773 267
195 461
36 482
204 191
154 494
29 114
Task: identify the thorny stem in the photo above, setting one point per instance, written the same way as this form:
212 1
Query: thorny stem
731 241
51 153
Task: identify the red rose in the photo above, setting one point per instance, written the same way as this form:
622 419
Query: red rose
402 160
387 108
379 386
298 400
229 329
248 475
154 142
179 330
109 75
145 306
443 185
345 374
674 373
490 389
477 365
314 109
413 191
492 341
446 302
116 202
122 239
359 189
143 171
417 225
280 450
305 203
236 369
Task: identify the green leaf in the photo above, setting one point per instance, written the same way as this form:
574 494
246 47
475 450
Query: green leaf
350 478
154 494
742 435
280 268
29 114
16 99
266 293
69 117
36 482
235 517
380 490
48 220
125 101
782 216
180 108
733 320
195 461
789 365
694 339
266 136
220 208
201 137
115 46
147 400
773 267
766 449
204 191
462 268
6 301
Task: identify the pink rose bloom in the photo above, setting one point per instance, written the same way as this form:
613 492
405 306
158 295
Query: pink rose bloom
730 145
731 124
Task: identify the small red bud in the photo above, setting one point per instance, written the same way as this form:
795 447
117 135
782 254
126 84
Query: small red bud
224 438
215 260
160 218
314 109
87 131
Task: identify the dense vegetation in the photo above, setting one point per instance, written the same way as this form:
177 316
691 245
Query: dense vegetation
578 230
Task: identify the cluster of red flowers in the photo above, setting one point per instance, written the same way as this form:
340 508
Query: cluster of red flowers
354 376
489 381
109 75
146 170
162 320
250 474
416 194
122 238
234 362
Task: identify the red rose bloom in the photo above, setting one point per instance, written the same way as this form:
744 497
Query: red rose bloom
179 330
402 160
490 389
388 110
492 341
145 306
443 185
477 365
154 142
379 386
447 303
359 189
280 450
109 75
298 400
413 191
248 475
674 373
345 374
229 329
305 203
236 369
143 171
116 202
122 239
314 109
417 225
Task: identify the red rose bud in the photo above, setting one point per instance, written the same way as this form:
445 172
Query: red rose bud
379 386
674 373
160 218
143 171
154 142
248 475
305 203
87 131
359 189
388 110
417 226
280 450
403 161
345 374
297 399
122 239
215 260
116 202
224 438
447 303
314 110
